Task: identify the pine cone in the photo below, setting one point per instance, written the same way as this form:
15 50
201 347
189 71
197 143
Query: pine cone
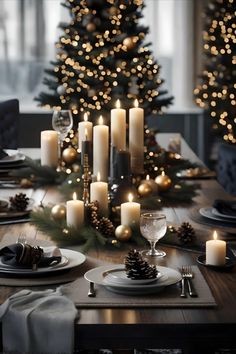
186 232
106 227
19 202
137 268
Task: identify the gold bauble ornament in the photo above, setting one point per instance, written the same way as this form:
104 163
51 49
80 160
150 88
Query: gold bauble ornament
58 212
123 233
129 42
163 182
69 155
91 27
151 183
144 189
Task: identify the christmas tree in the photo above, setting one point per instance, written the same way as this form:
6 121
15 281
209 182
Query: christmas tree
216 91
102 56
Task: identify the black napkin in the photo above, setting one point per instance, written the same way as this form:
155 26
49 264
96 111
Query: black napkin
225 207
25 256
2 153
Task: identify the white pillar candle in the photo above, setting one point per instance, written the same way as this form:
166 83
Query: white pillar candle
136 138
118 127
75 212
215 251
130 212
101 149
49 148
82 128
99 192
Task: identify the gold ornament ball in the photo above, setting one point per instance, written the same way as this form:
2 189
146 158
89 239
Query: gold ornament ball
129 42
69 155
123 233
144 189
164 182
58 212
90 27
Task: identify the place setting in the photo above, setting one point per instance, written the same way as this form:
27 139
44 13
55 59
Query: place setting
10 159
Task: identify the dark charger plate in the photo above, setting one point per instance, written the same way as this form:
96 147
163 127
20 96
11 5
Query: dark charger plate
229 263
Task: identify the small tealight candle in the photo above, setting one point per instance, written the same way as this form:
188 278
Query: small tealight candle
130 212
99 192
215 251
75 212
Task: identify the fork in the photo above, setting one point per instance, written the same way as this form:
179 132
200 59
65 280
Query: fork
188 275
92 291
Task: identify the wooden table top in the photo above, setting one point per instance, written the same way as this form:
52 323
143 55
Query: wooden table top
189 328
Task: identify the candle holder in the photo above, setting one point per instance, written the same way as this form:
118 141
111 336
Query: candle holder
86 180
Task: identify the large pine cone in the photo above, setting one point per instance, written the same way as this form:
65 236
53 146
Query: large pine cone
137 268
19 202
106 227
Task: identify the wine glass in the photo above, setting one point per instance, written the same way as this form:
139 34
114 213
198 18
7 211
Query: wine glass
153 227
62 122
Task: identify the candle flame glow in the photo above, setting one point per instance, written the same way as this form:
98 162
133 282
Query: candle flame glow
100 120
118 104
86 133
85 117
98 177
215 235
136 103
130 197
163 173
147 178
74 196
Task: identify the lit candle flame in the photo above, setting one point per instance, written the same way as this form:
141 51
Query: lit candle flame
118 104
86 133
74 196
85 117
147 178
130 197
215 235
98 177
163 173
100 120
136 103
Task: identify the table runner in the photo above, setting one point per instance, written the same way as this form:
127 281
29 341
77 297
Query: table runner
168 297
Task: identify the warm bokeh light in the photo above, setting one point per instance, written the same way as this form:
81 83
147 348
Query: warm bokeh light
130 197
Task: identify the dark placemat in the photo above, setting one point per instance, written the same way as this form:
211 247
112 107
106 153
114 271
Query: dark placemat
168 297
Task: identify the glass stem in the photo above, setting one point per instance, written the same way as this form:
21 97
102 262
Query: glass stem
153 245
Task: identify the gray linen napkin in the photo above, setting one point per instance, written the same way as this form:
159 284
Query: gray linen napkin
36 322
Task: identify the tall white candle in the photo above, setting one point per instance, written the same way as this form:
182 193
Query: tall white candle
215 251
136 138
130 212
99 192
83 127
49 148
101 149
75 212
118 127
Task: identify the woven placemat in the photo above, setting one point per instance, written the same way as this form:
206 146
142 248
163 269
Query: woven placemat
168 297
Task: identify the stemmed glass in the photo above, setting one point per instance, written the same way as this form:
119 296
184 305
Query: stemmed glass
62 122
153 228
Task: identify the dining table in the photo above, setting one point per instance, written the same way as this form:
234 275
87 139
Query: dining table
193 329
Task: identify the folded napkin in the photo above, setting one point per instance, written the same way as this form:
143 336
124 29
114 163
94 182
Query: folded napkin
225 207
2 153
38 322
26 256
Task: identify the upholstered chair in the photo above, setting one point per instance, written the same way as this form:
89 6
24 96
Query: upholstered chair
9 122
226 168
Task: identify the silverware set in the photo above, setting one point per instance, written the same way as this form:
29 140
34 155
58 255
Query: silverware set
187 283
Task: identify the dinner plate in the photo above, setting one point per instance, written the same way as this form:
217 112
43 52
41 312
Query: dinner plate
227 217
70 259
169 277
10 214
207 213
119 276
13 157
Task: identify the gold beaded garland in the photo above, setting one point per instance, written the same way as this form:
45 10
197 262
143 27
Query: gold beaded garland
123 232
58 212
163 181
144 189
69 155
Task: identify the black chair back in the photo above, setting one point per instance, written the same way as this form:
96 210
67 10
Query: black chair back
226 168
9 123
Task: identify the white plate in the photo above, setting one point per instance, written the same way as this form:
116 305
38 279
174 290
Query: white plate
70 259
169 277
13 156
224 216
119 276
9 214
207 213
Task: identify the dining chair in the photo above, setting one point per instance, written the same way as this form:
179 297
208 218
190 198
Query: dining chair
9 123
226 167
